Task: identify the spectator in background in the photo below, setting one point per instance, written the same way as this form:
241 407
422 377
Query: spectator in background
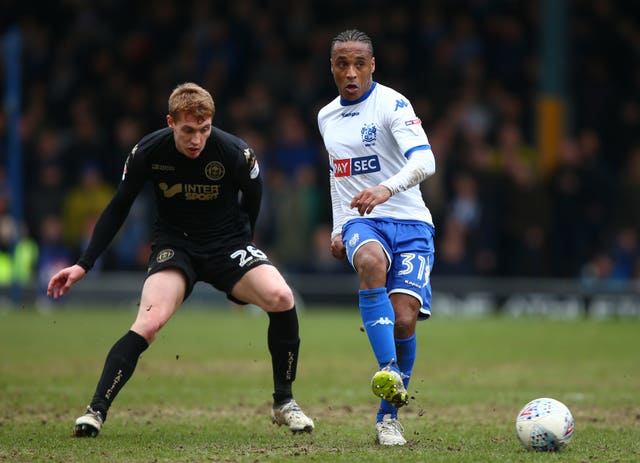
454 256
53 254
465 205
625 255
87 142
45 186
83 204
47 196
292 170
468 244
490 190
511 150
8 233
627 206
597 187
18 250
526 219
628 127
567 231
596 271
131 246
321 261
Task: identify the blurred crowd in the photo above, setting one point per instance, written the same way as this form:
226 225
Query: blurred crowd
96 76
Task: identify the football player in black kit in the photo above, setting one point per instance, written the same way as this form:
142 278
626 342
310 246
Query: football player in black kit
208 188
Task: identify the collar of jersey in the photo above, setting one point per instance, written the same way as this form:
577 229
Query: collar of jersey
362 98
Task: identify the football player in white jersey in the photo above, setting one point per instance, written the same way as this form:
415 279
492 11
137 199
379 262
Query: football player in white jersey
378 156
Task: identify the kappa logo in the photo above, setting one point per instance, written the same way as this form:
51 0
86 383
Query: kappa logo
413 283
401 104
382 321
354 239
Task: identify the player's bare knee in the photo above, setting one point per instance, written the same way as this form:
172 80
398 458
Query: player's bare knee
403 328
371 262
405 324
279 298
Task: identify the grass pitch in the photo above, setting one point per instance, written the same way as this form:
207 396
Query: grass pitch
202 391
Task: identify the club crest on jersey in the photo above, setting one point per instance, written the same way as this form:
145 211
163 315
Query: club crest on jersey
356 166
368 133
214 170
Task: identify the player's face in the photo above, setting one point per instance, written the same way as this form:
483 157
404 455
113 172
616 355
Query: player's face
190 133
352 66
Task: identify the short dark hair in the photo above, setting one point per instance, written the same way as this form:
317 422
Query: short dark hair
352 35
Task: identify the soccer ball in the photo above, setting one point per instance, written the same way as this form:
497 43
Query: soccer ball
545 425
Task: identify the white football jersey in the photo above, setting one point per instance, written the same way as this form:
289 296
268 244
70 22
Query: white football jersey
368 141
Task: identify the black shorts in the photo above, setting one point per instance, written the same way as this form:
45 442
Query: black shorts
220 268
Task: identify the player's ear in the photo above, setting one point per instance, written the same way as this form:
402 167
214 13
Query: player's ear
373 64
170 121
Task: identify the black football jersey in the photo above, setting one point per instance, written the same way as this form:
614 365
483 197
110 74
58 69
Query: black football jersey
206 201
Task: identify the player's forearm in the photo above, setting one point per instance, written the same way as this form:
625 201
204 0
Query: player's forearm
421 164
251 199
104 231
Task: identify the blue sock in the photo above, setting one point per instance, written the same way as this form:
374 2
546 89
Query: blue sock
378 319
406 351
386 409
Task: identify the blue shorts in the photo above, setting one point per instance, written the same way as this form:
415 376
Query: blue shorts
410 252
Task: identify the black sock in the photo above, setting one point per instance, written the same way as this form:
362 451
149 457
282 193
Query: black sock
119 366
284 343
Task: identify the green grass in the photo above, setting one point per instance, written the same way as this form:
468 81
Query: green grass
202 392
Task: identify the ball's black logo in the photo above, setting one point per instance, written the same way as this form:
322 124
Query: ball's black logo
214 170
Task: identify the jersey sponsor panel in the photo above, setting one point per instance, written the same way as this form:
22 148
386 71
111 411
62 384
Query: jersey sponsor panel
356 166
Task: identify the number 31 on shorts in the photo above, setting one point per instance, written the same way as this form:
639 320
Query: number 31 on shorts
408 267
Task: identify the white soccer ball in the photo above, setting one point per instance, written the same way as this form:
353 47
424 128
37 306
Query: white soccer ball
544 424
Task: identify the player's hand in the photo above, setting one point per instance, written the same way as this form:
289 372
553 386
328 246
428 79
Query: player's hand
62 281
337 248
369 198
